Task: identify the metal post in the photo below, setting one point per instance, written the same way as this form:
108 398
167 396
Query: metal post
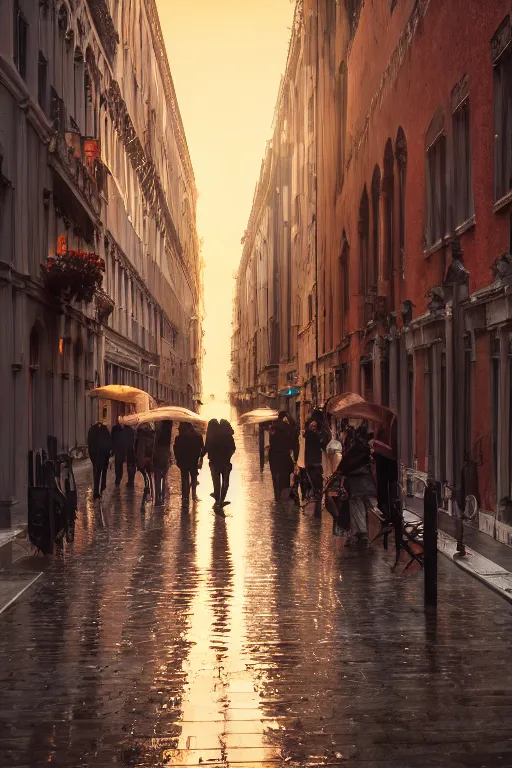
430 512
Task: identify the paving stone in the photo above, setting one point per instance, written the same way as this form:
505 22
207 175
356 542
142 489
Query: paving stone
162 637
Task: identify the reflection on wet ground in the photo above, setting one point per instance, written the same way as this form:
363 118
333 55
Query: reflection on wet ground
163 637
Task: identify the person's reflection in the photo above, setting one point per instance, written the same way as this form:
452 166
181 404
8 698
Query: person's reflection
221 581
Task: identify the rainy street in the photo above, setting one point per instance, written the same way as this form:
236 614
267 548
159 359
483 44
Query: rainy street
162 637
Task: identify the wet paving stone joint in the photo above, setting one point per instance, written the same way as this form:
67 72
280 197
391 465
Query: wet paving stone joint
164 637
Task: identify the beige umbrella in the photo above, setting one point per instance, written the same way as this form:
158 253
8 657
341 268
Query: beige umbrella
164 413
258 416
125 394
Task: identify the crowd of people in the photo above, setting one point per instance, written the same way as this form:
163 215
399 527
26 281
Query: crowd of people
148 450
357 481
311 466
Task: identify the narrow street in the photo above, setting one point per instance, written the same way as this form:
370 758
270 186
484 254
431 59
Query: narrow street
166 638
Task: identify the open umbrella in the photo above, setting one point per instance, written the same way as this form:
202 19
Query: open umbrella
125 394
350 405
258 416
164 413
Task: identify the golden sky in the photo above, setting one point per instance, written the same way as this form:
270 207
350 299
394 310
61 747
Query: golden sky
227 58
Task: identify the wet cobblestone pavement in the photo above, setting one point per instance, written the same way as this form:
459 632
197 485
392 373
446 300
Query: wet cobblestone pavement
165 638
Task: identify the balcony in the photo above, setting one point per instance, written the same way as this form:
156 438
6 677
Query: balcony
84 174
105 27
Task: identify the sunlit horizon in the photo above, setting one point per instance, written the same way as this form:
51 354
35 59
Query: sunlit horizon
227 84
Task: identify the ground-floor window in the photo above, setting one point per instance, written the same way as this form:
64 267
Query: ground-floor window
495 402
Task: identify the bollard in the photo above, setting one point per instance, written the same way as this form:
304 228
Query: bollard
430 512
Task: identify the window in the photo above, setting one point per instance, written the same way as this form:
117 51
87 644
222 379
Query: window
310 308
345 286
462 192
401 159
79 82
20 41
389 201
364 236
311 115
42 81
502 60
341 122
436 190
373 275
495 404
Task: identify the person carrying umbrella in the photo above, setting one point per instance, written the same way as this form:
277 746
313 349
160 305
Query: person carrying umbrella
356 467
220 447
283 443
99 445
317 436
123 440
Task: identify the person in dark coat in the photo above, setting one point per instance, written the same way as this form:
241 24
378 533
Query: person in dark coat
161 459
283 443
188 449
220 447
144 448
356 467
123 445
261 445
317 437
99 445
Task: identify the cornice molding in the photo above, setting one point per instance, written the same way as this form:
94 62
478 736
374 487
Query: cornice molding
165 70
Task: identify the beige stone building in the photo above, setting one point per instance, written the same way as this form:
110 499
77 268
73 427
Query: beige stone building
93 163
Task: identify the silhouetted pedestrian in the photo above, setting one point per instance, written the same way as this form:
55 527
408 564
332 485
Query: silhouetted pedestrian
99 445
220 447
282 453
123 445
188 449
317 436
161 459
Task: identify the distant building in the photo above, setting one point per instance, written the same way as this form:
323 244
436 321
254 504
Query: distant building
409 106
94 166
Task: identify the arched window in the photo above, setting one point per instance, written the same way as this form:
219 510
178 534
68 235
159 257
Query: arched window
401 160
364 236
79 87
374 261
389 191
435 178
341 122
63 18
106 142
344 288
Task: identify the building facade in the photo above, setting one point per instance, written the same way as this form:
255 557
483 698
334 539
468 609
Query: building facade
94 170
410 302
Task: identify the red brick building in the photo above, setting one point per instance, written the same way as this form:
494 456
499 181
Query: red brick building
413 134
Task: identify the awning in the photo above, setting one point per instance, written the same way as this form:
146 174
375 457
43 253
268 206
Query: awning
290 392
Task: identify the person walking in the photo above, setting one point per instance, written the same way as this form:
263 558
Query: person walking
144 448
188 449
99 445
161 459
123 442
317 436
220 447
283 443
356 467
